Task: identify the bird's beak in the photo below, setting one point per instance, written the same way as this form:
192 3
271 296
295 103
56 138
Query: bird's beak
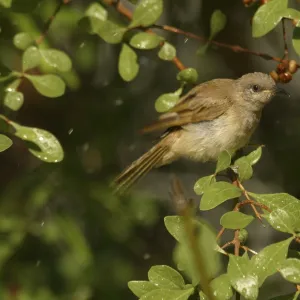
282 92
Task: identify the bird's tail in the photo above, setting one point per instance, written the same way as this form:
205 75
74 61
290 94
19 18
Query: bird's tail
139 168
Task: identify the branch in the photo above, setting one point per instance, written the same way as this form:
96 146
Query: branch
286 50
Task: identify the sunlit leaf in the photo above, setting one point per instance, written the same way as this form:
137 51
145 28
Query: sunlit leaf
166 294
241 279
268 260
254 156
290 270
31 58
167 101
224 161
140 288
217 23
167 51
5 142
280 220
165 277
189 75
97 11
203 183
218 193
128 65
56 59
145 41
23 40
235 220
147 13
48 85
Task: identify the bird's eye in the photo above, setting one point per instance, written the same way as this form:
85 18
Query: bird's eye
255 88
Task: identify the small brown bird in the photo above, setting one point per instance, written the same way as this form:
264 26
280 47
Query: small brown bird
214 116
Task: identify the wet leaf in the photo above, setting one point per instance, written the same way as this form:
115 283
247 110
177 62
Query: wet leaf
165 277
235 220
31 58
189 75
5 142
167 51
224 161
218 193
140 288
175 226
166 294
268 260
48 147
13 99
56 59
109 30
167 101
147 13
241 279
145 41
217 23
290 270
23 40
203 183
48 85
128 65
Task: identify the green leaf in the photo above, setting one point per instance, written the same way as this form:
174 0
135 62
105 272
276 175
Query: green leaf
5 142
147 13
167 51
267 17
224 161
175 226
235 220
165 277
48 85
168 294
189 75
145 40
290 270
203 183
243 235
217 23
254 156
296 39
95 10
221 288
110 31
240 278
167 101
140 288
48 147
283 202
6 3
280 220
268 260
56 59
13 99
31 58
23 40
128 65
218 193
244 168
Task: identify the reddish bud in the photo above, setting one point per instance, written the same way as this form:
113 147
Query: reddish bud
281 68
285 77
293 66
274 75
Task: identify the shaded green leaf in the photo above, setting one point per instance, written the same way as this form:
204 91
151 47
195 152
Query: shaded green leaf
56 59
140 288
283 202
290 270
224 161
5 142
167 51
175 226
235 220
145 40
31 58
168 294
110 31
24 6
279 219
48 85
23 40
243 168
203 183
189 75
13 100
267 17
268 260
203 48
147 13
128 65
217 23
241 279
218 193
48 147
165 277
6 3
167 101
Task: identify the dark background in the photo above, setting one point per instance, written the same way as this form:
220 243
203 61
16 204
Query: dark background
63 235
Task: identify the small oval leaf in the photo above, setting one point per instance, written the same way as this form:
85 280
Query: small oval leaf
128 65
290 270
145 41
14 100
5 142
203 183
167 101
167 294
189 75
235 220
167 51
224 161
31 58
244 168
23 40
217 23
56 59
140 288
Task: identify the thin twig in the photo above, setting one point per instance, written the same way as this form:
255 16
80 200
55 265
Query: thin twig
286 50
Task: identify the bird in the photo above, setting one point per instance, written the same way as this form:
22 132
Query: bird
214 116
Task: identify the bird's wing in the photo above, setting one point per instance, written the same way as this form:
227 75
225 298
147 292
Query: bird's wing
205 102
